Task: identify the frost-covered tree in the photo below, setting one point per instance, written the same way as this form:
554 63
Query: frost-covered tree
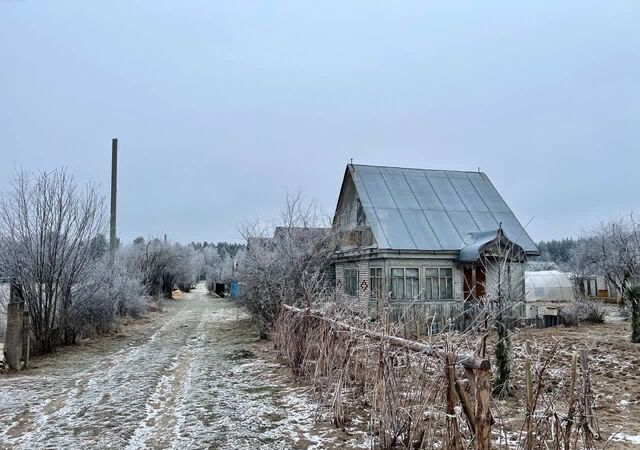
557 251
279 258
617 251
51 230
163 266
109 291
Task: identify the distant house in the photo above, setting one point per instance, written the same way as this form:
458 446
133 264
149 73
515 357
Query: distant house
417 237
281 235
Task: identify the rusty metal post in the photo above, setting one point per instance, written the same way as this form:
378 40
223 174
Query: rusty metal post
13 338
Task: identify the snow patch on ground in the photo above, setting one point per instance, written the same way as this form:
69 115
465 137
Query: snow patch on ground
633 438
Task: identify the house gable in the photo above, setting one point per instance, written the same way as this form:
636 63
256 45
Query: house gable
350 218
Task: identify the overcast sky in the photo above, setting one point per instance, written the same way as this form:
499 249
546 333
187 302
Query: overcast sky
223 107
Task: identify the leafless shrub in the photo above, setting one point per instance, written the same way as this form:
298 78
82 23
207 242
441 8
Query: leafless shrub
582 311
613 250
275 264
110 291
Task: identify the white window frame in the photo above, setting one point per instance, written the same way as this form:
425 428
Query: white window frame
437 294
415 288
376 283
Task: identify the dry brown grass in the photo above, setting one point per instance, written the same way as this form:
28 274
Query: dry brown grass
409 396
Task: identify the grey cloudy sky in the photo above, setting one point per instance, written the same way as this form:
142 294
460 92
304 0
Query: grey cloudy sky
223 107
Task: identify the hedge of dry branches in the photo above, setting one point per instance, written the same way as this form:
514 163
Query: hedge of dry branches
420 394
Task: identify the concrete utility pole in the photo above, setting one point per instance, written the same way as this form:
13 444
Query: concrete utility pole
15 329
114 192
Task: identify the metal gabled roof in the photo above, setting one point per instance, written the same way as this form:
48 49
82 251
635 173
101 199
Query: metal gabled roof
420 209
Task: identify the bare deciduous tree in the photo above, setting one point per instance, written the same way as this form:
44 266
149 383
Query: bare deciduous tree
48 230
617 253
276 265
163 266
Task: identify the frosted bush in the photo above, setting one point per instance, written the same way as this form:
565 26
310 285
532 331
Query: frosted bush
108 293
582 311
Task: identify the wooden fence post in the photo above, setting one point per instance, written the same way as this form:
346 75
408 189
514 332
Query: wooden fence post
483 411
529 400
481 369
453 428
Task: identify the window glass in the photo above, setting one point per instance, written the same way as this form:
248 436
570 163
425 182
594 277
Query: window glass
431 284
397 283
412 273
351 281
375 282
446 284
412 284
431 273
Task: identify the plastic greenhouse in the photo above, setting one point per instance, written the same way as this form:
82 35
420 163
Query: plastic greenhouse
548 285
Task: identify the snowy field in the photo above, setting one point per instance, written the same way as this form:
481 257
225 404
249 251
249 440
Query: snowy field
182 380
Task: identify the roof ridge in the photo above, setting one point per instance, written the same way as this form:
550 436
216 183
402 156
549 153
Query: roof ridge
413 168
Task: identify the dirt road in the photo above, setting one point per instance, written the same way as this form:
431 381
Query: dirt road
183 380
